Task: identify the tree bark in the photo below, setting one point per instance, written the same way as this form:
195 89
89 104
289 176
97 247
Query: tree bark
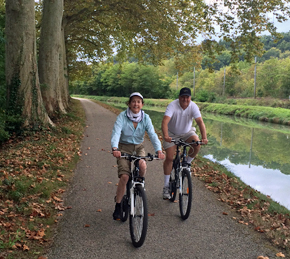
23 89
63 69
50 54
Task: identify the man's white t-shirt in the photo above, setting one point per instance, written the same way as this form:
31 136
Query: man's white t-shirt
181 120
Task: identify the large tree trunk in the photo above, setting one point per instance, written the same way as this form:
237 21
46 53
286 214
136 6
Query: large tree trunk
23 88
50 50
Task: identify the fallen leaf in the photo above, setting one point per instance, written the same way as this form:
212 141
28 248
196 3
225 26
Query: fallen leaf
57 199
262 257
151 214
280 255
99 210
86 226
25 248
224 213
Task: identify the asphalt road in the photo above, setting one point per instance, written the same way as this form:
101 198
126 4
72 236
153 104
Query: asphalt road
87 230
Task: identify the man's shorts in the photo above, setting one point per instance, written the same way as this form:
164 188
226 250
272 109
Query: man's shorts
184 137
124 165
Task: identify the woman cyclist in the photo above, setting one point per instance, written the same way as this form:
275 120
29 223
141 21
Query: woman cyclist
128 136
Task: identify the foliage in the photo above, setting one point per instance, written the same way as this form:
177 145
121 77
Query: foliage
122 80
205 96
95 32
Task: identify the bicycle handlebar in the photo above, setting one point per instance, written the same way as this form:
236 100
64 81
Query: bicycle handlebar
180 142
149 157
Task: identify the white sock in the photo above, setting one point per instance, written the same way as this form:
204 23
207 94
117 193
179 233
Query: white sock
166 180
189 159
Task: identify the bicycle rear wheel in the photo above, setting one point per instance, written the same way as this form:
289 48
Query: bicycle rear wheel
139 221
172 185
124 208
185 196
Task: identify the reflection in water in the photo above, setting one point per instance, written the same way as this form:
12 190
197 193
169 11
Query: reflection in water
267 181
258 153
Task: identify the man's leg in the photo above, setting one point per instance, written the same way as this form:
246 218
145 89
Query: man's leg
192 153
167 167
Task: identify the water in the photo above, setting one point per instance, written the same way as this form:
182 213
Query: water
258 153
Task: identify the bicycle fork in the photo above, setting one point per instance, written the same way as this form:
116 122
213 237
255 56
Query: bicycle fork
132 196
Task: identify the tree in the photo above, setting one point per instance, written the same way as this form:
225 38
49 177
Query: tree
50 61
150 31
24 99
268 77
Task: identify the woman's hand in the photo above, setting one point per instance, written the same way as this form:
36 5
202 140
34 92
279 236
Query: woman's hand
160 154
117 153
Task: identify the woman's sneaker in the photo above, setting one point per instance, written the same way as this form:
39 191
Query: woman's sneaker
166 194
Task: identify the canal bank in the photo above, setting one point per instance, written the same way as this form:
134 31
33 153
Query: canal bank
274 111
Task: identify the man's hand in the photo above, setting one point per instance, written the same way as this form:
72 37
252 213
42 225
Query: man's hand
204 140
167 139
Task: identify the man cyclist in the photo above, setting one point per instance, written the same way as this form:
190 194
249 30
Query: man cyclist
177 124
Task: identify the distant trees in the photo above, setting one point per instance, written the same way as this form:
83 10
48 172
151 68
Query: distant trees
122 80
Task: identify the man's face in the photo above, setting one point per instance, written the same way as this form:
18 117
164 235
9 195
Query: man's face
184 101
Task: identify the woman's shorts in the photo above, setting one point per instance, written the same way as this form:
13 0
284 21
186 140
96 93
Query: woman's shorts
184 137
124 165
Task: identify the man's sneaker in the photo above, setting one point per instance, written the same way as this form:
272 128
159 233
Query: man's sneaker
166 194
117 212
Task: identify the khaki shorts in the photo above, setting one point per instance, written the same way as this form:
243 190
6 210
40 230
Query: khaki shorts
184 137
124 165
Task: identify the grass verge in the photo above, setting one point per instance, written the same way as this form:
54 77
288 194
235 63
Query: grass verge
35 170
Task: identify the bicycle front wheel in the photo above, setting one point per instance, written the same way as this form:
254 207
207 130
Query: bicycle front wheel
185 196
139 221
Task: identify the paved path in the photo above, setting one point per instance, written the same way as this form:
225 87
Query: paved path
206 234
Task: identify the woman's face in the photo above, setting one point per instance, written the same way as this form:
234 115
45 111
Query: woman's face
135 104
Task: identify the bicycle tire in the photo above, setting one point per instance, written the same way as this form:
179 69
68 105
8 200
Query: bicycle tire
139 222
172 186
185 196
124 208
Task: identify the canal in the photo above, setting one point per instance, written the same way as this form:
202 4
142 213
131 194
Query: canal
258 153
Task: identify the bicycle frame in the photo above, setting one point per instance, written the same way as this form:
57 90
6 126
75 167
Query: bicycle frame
179 163
180 178
135 177
136 199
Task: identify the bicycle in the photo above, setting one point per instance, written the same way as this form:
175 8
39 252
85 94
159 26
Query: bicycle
134 202
180 178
